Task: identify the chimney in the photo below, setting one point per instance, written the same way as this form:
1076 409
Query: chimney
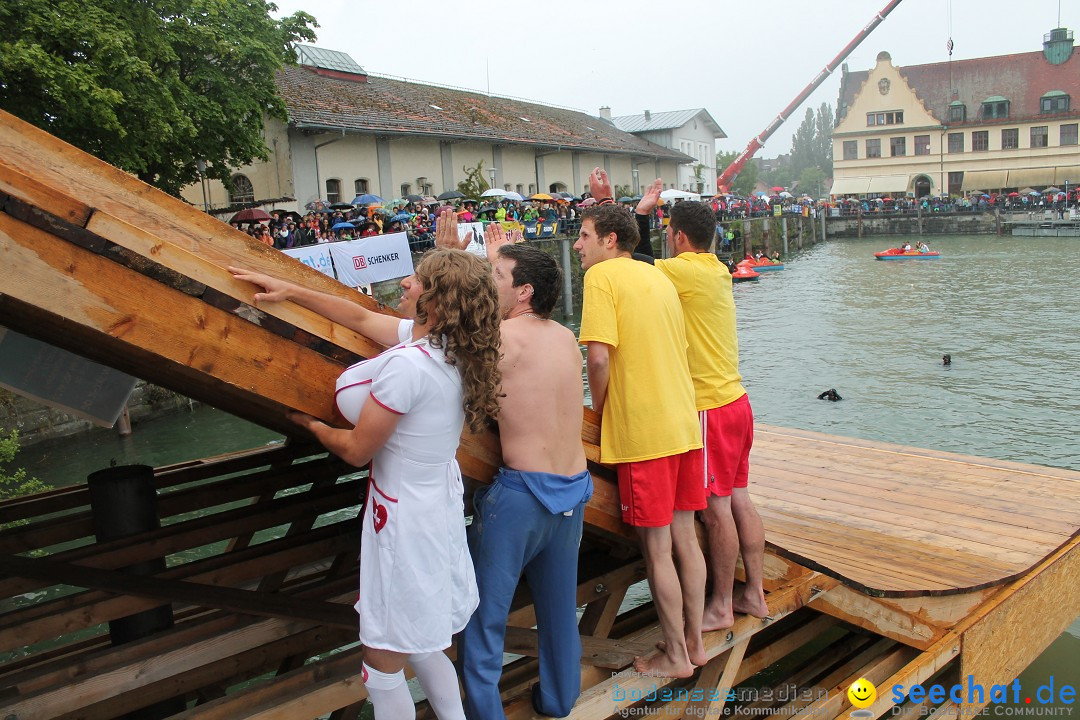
605 113
648 116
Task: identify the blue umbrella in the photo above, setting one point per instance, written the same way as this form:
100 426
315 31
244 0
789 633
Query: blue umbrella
401 217
342 226
366 199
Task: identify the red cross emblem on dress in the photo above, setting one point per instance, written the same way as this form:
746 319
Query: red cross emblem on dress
378 514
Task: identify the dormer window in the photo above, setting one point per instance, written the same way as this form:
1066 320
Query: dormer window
894 117
1054 101
995 107
957 111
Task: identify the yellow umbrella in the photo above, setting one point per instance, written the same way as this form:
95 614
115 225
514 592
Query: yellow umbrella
541 196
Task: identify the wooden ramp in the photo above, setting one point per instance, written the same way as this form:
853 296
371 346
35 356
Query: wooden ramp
886 562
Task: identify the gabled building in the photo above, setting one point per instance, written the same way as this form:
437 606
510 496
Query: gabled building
350 133
691 132
990 124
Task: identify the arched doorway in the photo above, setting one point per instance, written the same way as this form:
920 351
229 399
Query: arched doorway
557 187
922 186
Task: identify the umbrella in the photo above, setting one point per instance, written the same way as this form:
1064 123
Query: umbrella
493 192
1013 194
510 195
415 198
341 206
451 195
1034 192
776 189
785 194
342 226
541 196
401 217
250 215
1052 189
366 199
588 202
626 199
759 193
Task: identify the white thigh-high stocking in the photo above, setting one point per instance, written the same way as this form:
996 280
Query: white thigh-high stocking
440 682
389 694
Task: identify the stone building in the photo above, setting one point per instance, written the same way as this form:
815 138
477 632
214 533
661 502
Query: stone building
992 124
691 132
350 133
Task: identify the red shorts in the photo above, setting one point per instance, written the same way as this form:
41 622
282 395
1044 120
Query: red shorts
650 491
728 434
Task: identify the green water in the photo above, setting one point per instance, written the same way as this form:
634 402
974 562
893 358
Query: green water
1005 309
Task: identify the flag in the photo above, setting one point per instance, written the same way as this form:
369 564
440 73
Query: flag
949 46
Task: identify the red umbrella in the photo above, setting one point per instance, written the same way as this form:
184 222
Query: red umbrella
250 215
1013 194
776 189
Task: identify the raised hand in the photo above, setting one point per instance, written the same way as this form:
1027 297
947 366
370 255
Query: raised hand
599 184
494 238
650 198
446 232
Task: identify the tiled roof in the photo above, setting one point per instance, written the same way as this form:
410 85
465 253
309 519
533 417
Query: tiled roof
664 121
1021 79
387 106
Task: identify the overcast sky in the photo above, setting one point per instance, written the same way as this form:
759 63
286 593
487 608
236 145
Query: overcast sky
742 60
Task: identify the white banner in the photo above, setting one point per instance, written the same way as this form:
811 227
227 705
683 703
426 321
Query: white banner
476 246
315 256
372 259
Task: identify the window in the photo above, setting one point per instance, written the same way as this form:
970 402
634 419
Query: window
922 144
873 148
894 117
241 191
897 147
520 189
1068 134
426 189
1039 136
956 142
333 191
406 189
532 189
1053 102
956 181
980 140
957 111
361 186
995 108
1010 138
506 187
851 149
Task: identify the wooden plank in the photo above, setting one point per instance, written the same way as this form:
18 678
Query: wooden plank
32 192
1034 613
597 652
716 677
248 602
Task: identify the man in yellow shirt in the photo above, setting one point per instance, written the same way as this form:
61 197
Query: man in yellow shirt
727 422
640 383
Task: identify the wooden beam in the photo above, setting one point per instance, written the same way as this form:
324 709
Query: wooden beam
248 602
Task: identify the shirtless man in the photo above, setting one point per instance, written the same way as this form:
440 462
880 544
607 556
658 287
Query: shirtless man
529 520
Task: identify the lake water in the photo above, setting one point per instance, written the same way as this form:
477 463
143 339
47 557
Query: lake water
1005 309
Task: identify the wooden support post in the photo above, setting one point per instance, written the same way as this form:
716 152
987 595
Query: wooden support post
824 213
783 227
918 214
568 289
716 678
123 423
124 503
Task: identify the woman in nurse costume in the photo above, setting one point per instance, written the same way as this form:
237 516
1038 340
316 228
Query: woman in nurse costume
408 406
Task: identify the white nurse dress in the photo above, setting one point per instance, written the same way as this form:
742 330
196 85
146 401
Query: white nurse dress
417 586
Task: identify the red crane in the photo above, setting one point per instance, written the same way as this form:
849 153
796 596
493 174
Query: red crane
731 171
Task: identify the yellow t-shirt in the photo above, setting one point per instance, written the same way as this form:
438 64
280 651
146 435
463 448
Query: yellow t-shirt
704 287
649 412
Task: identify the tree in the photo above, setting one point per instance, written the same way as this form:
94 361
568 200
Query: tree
746 179
812 181
474 183
152 86
811 146
15 484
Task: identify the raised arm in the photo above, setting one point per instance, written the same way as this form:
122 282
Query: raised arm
381 328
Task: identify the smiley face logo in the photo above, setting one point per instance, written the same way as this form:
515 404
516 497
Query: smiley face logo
862 693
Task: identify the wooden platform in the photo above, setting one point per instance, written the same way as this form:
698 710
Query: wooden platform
898 521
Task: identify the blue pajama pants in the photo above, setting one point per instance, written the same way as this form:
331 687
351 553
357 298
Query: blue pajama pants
513 533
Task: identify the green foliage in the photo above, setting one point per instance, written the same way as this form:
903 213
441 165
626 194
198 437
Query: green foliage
474 183
811 147
812 181
14 483
746 180
150 86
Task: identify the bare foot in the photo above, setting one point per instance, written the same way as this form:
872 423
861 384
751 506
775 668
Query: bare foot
663 666
716 618
695 649
751 603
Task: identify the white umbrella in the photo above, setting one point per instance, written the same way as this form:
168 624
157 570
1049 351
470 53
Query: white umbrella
511 195
673 194
494 192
